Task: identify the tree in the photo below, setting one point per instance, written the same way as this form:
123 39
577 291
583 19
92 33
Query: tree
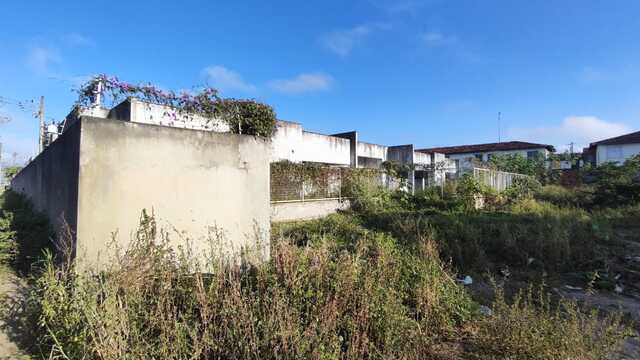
11 171
516 163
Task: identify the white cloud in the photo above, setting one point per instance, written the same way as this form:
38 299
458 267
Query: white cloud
226 80
581 130
306 82
77 39
435 39
40 59
343 41
450 44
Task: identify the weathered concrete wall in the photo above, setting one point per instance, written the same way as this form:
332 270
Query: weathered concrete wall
421 158
352 136
401 153
138 111
292 143
372 150
192 180
306 210
325 149
101 173
286 142
51 179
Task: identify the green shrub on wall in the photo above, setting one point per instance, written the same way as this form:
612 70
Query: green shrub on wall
243 116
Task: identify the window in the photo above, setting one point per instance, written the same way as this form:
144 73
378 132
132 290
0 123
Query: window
489 156
614 152
478 156
532 154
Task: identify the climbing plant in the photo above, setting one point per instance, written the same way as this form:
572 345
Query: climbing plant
244 116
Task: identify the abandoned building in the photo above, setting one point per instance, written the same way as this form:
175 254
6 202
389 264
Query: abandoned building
106 165
464 155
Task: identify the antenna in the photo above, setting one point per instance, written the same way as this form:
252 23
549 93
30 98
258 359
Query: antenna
499 118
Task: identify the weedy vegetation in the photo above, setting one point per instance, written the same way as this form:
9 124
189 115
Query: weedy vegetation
379 281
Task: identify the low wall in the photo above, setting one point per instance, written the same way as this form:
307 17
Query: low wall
306 210
107 171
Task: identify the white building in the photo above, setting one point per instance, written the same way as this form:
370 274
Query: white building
464 156
617 149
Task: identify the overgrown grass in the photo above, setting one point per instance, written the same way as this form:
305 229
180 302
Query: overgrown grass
532 326
313 301
24 232
370 298
373 283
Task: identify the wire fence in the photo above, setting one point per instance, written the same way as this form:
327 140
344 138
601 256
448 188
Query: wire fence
316 183
298 182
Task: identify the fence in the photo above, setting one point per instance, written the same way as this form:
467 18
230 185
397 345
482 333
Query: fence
498 180
299 182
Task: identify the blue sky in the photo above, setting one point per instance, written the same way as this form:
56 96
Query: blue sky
427 72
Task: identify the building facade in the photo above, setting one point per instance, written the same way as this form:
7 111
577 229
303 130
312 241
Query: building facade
615 150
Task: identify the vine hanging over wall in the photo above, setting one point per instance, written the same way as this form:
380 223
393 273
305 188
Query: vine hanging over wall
243 116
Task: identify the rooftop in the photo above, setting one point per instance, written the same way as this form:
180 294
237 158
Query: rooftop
631 138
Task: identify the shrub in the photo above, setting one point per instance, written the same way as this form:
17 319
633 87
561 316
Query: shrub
559 239
436 198
616 185
315 301
531 327
568 197
24 232
522 187
11 171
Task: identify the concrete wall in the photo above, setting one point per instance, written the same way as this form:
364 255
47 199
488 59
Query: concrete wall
421 158
325 149
286 142
292 143
146 113
372 150
306 210
401 153
110 170
616 153
352 136
51 179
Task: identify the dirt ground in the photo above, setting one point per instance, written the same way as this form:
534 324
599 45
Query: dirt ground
11 338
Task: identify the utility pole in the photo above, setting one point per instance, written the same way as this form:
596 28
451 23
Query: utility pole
41 125
499 118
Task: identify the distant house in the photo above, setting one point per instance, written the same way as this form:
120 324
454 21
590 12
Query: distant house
465 155
616 149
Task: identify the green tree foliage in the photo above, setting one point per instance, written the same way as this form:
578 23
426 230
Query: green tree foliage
24 233
516 163
11 171
614 184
